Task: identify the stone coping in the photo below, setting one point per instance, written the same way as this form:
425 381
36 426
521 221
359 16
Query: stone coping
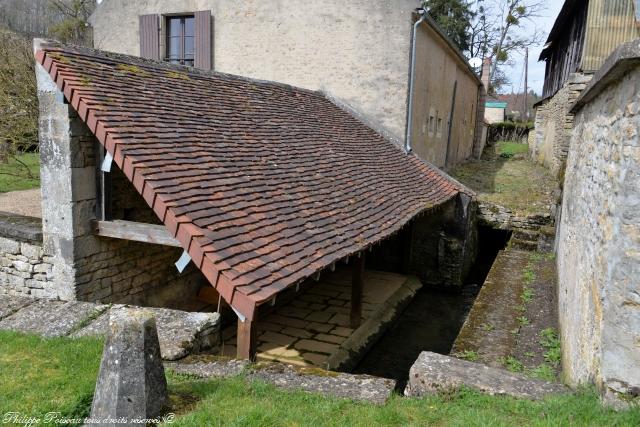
312 380
19 227
624 58
180 333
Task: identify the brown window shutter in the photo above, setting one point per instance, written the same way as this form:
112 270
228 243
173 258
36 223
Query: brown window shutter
150 36
203 40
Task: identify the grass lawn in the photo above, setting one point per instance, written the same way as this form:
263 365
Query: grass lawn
14 175
506 178
41 375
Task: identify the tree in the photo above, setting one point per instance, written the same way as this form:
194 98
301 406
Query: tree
497 29
73 27
18 100
454 18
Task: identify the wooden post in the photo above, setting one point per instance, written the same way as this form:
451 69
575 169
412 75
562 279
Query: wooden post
357 283
246 340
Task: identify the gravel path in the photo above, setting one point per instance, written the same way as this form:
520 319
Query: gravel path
27 202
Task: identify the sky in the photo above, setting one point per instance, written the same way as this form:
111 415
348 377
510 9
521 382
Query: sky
536 69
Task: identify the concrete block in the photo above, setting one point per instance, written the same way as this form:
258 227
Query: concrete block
131 384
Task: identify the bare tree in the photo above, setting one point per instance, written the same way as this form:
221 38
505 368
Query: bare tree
73 26
497 32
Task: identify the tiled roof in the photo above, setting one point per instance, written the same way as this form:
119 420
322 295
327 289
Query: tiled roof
263 184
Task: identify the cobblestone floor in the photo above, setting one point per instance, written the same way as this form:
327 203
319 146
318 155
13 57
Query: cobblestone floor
308 330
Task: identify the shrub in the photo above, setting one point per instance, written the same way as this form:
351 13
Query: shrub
508 131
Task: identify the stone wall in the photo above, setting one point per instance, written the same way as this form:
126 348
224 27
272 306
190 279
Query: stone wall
24 267
553 125
87 267
444 244
599 234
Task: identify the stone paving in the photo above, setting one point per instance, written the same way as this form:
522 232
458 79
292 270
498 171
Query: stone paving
311 328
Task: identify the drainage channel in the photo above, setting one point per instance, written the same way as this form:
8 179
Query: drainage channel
433 319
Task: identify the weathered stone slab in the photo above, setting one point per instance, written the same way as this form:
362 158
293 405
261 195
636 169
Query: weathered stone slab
51 318
131 385
20 227
180 332
312 380
9 304
348 386
209 369
434 373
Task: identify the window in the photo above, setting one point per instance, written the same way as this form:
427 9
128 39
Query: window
180 40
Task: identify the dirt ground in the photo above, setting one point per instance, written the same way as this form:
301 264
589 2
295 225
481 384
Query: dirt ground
27 202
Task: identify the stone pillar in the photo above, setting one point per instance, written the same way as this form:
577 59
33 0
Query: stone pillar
67 175
131 384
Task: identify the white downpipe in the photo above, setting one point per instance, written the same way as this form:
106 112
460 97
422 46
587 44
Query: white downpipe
412 78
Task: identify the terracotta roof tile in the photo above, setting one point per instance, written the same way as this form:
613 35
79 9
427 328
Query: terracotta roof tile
262 183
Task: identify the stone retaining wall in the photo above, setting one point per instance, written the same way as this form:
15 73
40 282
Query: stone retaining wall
24 267
553 125
599 234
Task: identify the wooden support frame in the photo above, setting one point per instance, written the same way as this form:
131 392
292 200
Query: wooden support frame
247 341
357 285
136 231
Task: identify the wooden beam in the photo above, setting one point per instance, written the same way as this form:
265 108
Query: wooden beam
357 284
246 340
136 231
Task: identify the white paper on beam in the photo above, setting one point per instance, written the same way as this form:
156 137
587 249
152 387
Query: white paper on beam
184 260
241 317
106 163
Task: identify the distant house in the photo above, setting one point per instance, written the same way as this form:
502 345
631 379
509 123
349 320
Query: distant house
583 35
495 111
357 52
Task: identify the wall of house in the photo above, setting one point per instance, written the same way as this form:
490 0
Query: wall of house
554 123
357 52
494 115
438 68
84 266
598 255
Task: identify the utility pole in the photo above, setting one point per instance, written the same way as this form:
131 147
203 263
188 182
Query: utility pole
525 110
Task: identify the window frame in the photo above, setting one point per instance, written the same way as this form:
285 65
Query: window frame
182 60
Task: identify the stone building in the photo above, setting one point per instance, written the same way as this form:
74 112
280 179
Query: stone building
255 187
583 35
411 85
598 256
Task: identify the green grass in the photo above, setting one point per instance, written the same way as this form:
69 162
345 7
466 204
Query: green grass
39 375
236 403
512 181
14 175
507 149
470 355
551 342
42 375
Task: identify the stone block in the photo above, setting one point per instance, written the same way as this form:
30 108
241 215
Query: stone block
50 318
23 266
31 251
131 383
434 373
180 332
9 246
